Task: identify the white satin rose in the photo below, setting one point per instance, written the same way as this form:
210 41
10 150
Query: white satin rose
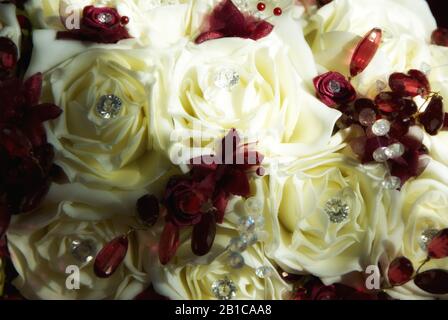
9 26
328 216
423 213
42 245
335 29
151 22
252 86
188 277
103 135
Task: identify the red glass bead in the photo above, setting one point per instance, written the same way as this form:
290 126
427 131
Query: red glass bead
169 242
124 20
400 271
408 85
434 281
440 37
204 234
148 209
388 102
278 11
365 51
438 247
111 256
261 6
433 117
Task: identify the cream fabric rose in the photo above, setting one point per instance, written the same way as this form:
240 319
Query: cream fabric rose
252 86
424 207
191 277
9 26
304 240
151 22
116 152
335 29
40 244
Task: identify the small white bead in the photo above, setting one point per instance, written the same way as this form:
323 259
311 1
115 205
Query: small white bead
381 127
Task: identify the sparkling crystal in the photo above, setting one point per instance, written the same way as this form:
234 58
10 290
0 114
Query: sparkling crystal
253 206
226 78
83 250
395 150
379 155
367 117
337 210
426 237
105 17
380 85
251 238
247 224
109 106
334 86
238 244
381 127
391 183
236 260
264 272
224 289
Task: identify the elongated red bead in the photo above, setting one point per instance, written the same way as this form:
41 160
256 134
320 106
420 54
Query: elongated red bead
204 234
365 51
169 242
433 117
111 256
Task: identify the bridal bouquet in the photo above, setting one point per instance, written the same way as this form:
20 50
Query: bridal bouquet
223 149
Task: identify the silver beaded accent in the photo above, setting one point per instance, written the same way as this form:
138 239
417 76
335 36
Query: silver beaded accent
238 244
253 206
264 272
224 289
109 106
395 150
83 250
226 78
247 224
337 210
236 260
380 154
381 127
426 237
105 17
391 183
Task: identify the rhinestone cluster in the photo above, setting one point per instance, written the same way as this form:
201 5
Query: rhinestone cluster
109 106
226 78
224 289
426 237
83 250
337 210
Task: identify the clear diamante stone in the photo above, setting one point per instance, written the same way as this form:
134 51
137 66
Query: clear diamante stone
381 127
226 78
426 237
395 150
334 86
264 272
224 289
238 244
367 117
380 85
236 260
83 250
251 238
337 210
380 155
253 206
247 224
105 17
109 106
391 183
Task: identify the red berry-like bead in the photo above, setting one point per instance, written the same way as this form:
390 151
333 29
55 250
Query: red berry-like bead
278 11
124 20
261 6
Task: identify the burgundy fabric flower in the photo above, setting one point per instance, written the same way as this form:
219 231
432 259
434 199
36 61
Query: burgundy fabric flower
227 21
332 88
8 57
26 159
102 25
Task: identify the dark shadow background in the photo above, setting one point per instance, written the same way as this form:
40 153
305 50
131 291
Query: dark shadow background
440 11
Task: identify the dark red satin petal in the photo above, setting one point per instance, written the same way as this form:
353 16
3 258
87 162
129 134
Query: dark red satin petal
33 88
46 111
